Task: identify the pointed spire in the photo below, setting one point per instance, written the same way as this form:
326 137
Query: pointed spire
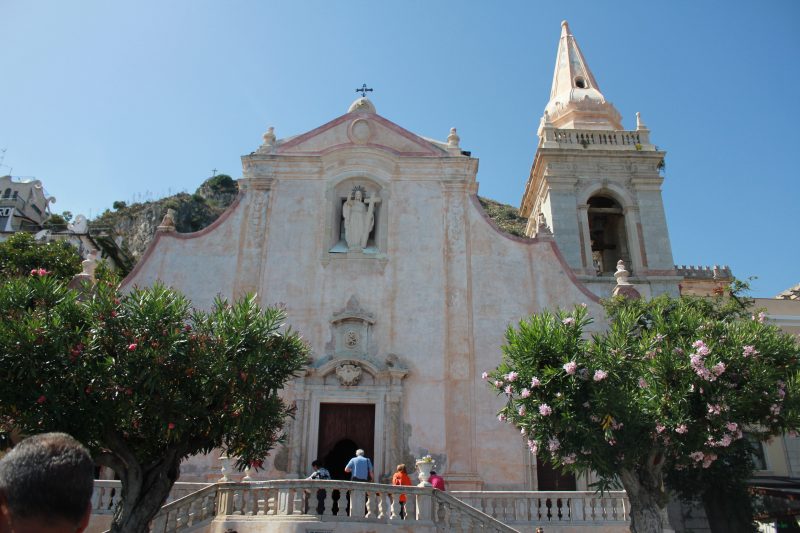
575 98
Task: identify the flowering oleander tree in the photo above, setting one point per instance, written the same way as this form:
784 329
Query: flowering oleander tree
670 386
142 379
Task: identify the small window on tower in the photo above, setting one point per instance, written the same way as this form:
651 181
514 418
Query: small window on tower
580 83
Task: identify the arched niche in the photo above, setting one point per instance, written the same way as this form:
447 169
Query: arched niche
372 195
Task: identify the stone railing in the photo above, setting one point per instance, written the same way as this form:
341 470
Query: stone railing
107 493
188 512
599 139
342 501
542 508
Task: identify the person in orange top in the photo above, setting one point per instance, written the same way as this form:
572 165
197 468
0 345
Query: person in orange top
400 477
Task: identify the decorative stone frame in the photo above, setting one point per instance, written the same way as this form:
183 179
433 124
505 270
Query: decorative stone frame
337 192
351 374
630 213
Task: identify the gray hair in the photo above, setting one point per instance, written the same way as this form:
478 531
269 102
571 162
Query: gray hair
48 476
359 451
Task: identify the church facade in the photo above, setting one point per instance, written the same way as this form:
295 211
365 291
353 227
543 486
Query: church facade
374 241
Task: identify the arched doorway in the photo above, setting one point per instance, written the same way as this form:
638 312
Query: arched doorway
343 428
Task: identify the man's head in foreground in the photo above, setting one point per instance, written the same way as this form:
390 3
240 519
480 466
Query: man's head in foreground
46 485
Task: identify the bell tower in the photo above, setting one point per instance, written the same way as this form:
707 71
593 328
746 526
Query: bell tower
597 186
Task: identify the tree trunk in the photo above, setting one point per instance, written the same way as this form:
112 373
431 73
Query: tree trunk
646 496
140 502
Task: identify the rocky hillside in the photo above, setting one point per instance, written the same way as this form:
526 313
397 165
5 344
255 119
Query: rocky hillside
136 224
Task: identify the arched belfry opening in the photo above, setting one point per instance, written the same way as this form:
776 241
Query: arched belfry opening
607 234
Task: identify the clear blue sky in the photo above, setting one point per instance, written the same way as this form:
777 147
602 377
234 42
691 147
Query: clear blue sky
107 101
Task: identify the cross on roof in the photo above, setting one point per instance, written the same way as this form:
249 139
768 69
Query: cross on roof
363 90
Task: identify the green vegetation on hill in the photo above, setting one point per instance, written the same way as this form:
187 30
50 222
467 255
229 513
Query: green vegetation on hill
505 216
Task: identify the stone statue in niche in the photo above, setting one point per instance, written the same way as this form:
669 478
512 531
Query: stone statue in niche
359 218
349 374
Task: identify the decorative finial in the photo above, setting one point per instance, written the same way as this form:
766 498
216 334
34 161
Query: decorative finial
640 125
453 139
624 287
269 141
621 274
542 227
269 136
565 28
168 222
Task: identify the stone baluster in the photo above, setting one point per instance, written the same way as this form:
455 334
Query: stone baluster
381 500
520 509
372 505
329 503
184 513
394 506
207 507
588 509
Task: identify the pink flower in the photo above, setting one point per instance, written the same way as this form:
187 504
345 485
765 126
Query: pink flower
553 444
501 417
545 410
39 272
535 382
681 429
612 442
714 409
762 317
132 346
484 375
508 390
41 399
533 446
569 459
725 441
718 369
498 384
512 376
525 393
660 428
697 456
732 426
171 425
643 383
522 431
571 367
600 375
749 350
521 410
568 321
775 409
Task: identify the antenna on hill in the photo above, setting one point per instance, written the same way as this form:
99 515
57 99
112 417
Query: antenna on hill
3 158
213 172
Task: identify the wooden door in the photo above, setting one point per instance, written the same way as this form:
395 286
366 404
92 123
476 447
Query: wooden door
549 478
343 428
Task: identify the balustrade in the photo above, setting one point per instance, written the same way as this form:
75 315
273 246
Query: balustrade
597 138
342 501
517 508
